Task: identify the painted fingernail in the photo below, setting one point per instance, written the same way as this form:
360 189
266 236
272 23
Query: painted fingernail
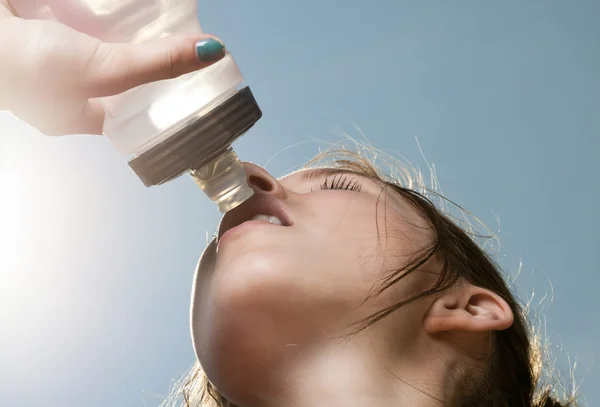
210 50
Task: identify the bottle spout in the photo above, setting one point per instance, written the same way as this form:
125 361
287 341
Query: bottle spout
224 180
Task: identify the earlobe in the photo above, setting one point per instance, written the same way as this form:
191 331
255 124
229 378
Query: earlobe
468 308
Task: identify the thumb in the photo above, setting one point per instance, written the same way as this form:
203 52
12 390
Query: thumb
117 67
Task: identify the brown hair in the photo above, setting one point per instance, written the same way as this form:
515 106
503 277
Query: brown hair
514 369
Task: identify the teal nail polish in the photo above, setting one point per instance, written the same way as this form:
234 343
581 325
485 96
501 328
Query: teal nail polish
210 50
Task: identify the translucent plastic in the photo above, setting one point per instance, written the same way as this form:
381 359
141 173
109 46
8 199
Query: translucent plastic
142 117
224 181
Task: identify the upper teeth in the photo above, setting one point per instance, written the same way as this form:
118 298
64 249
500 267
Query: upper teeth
272 219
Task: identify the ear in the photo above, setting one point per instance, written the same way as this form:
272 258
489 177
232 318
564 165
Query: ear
468 308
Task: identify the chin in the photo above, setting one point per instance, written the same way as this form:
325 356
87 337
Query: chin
238 306
234 342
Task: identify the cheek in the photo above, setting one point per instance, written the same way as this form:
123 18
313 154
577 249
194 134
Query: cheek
342 223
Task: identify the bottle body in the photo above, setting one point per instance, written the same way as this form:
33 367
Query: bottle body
142 117
169 127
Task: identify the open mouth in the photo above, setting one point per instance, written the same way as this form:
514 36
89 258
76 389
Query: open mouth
262 208
267 218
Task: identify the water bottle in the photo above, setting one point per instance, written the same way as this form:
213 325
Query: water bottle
174 126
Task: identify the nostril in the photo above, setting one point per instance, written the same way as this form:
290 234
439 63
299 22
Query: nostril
260 183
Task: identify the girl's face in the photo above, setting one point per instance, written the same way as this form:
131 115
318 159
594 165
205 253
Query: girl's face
266 292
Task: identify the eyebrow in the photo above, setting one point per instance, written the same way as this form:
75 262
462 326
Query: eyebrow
314 173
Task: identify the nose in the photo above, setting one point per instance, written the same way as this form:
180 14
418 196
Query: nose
262 182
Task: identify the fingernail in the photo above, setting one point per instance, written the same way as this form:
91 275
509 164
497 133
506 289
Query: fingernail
210 50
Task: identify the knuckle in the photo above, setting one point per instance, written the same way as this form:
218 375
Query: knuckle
100 67
172 61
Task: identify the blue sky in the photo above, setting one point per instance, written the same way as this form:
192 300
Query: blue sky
503 96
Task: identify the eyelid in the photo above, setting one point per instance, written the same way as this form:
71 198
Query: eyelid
342 182
313 174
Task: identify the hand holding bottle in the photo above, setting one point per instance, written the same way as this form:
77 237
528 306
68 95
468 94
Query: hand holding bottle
51 74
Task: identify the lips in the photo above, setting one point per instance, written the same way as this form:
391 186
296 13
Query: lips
258 207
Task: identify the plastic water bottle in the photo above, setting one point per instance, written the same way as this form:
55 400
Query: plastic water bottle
169 127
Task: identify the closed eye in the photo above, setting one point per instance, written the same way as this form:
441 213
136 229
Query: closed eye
335 178
342 182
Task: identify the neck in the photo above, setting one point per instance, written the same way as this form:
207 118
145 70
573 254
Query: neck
343 374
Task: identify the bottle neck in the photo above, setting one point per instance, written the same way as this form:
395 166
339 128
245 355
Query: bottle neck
224 180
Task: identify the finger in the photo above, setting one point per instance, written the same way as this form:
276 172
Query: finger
116 68
6 9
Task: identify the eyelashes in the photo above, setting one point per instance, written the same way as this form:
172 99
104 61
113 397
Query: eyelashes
342 182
